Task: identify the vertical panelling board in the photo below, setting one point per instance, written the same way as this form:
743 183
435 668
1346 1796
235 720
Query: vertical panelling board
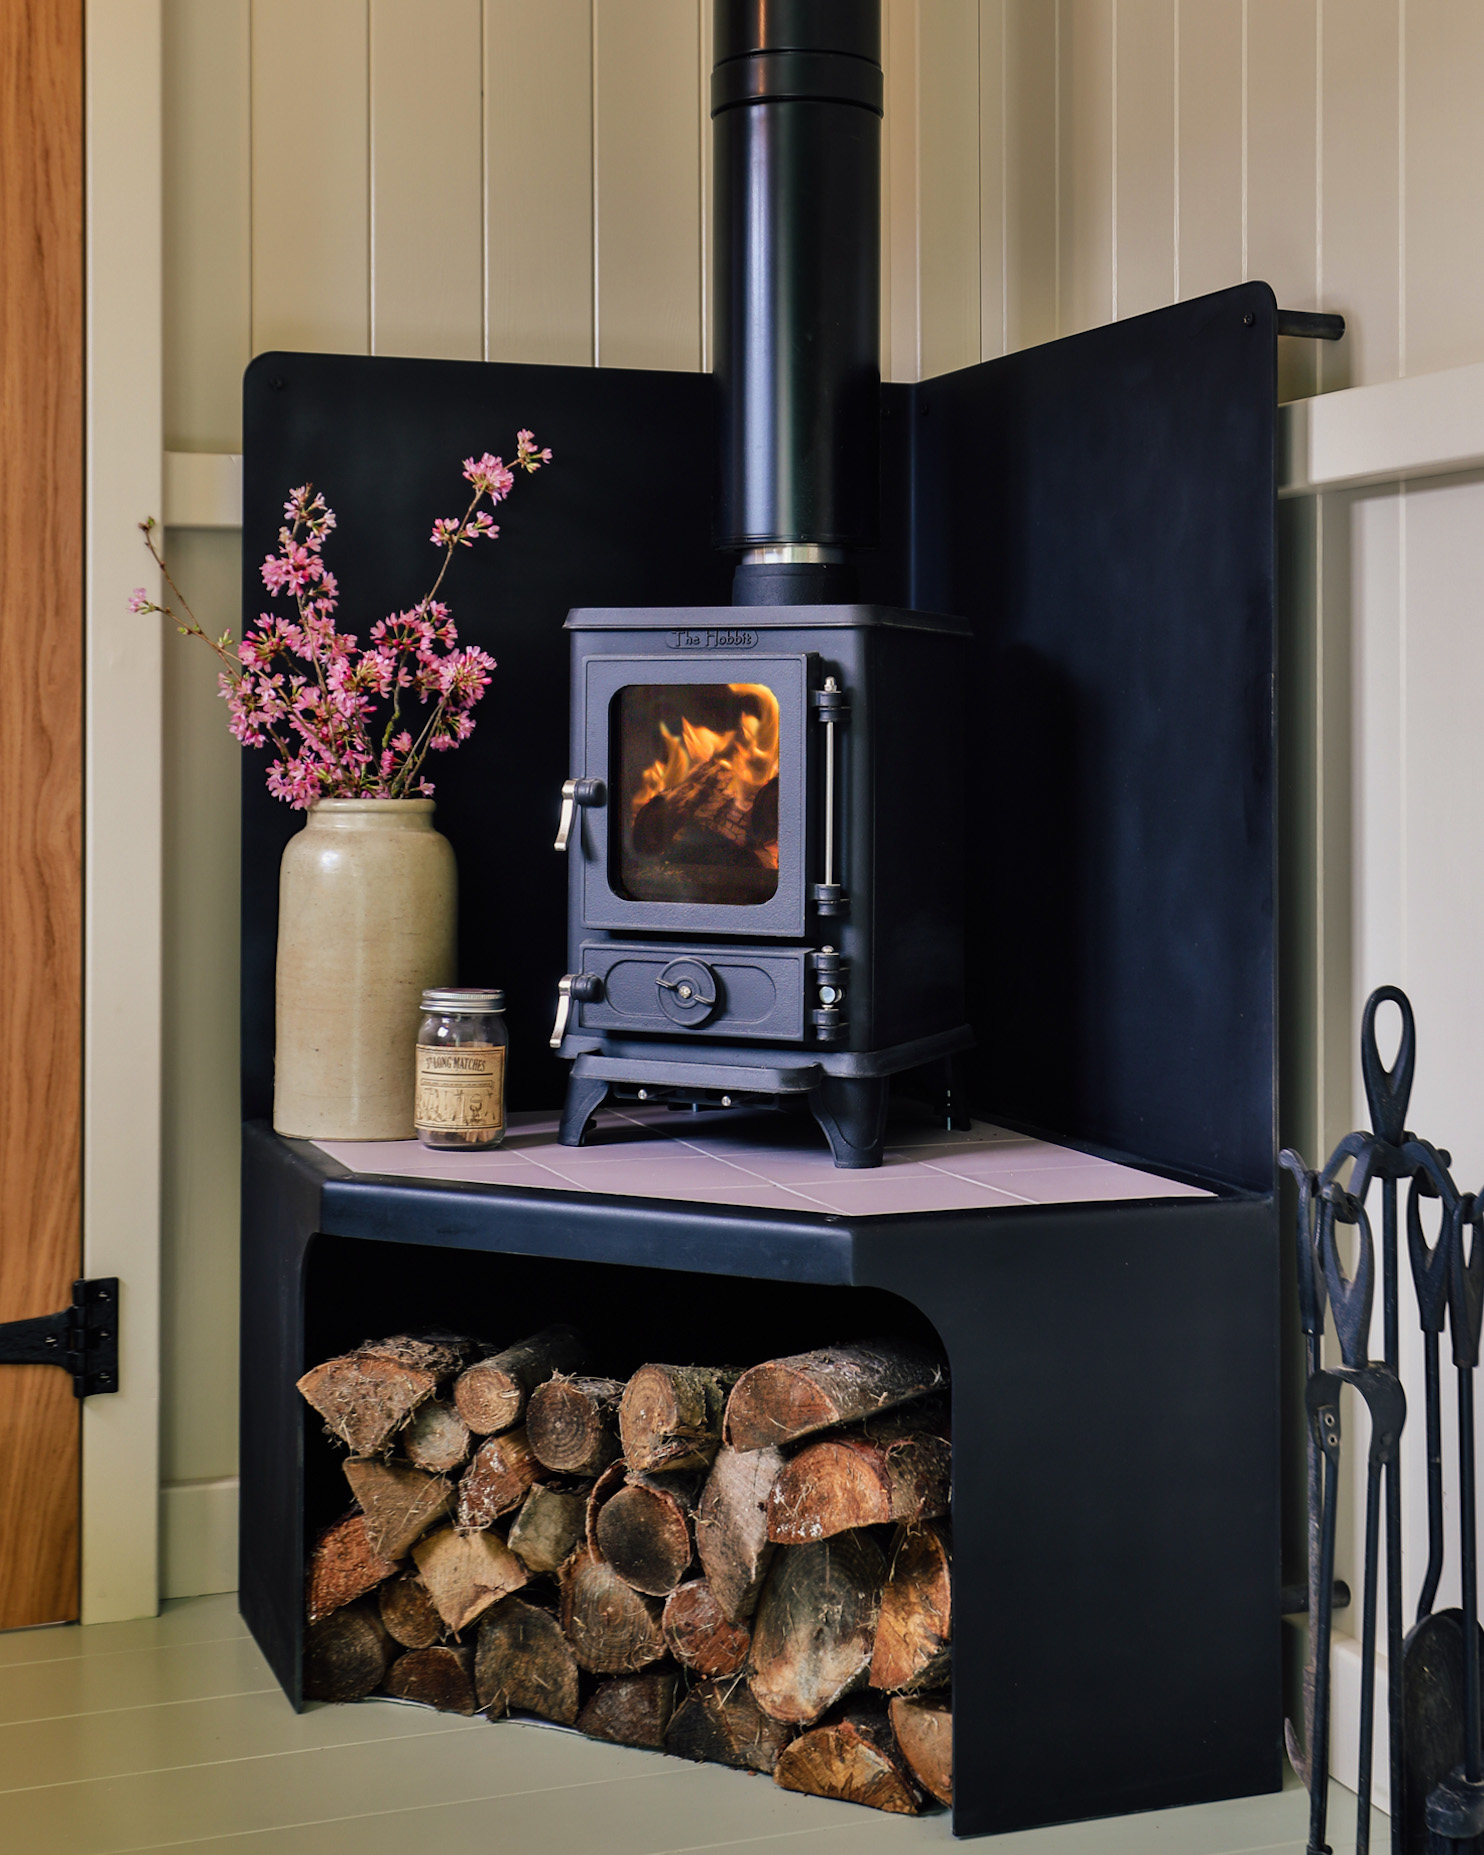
427 179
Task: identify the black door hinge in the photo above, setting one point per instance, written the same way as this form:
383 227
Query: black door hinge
82 1339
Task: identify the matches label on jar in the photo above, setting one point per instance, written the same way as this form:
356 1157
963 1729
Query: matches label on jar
460 1090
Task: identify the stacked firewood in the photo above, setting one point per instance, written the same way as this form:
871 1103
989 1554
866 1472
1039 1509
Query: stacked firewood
746 1567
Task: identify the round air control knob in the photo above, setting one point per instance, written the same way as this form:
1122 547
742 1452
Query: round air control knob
689 992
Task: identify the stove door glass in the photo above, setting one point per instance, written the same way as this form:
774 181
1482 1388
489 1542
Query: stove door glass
697 790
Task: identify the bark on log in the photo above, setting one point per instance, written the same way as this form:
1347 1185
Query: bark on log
816 1626
499 1477
491 1395
893 1469
367 1395
343 1565
670 1416
400 1503
613 1629
644 1532
783 1399
704 807
523 1662
853 1759
572 1424
700 1636
631 1710
923 1724
732 1527
614 1477
408 1612
437 1438
720 1723
440 1677
346 1654
545 1533
466 1572
914 1634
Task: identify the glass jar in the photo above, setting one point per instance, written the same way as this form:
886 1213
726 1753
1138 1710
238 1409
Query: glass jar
461 1068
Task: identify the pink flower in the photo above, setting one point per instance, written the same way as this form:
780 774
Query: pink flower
402 743
139 601
489 475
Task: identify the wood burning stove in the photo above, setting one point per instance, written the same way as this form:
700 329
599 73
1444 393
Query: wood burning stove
765 833
765 819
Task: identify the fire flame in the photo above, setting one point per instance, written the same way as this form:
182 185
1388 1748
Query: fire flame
749 752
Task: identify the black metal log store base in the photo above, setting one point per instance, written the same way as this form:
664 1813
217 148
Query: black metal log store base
1116 1592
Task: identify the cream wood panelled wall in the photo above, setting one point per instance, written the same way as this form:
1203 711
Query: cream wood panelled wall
527 180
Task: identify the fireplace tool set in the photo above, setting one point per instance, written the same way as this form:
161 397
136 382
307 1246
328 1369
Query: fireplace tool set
1433 1672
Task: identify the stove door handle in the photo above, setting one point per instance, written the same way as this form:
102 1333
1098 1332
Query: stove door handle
577 792
586 988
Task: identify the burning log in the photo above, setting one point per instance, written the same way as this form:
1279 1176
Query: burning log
545 1533
923 1724
407 1612
491 1395
367 1395
896 1468
700 1635
436 1438
670 1416
631 1710
853 1759
721 1724
913 1636
572 1424
644 1533
523 1661
816 1626
399 1503
613 1629
343 1565
438 1677
732 1527
466 1572
704 809
346 1654
784 1399
497 1479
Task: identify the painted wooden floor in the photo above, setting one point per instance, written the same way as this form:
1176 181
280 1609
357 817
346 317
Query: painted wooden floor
171 1734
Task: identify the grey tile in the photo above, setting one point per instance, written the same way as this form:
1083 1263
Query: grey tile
877 1194
1099 1183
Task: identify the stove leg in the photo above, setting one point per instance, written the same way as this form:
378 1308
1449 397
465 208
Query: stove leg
852 1112
585 1096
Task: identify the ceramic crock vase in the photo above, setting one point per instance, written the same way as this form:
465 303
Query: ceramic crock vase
367 904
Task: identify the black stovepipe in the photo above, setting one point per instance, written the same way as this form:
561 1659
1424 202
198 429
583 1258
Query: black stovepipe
796 102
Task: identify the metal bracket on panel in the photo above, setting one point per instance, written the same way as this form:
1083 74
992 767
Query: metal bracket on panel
1310 324
83 1339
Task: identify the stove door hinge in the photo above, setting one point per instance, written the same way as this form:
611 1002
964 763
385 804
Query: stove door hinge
827 973
831 705
83 1339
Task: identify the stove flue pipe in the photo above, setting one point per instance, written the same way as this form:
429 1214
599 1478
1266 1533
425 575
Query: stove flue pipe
796 103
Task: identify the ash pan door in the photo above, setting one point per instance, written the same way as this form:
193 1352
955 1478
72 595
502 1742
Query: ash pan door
705 773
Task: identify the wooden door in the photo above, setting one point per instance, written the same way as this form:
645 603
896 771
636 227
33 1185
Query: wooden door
41 641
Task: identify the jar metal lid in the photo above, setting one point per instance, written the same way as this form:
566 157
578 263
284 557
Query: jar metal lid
463 999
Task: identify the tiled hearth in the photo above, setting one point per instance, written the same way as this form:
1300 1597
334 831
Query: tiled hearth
772 1161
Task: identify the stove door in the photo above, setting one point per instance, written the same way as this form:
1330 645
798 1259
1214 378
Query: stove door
704 765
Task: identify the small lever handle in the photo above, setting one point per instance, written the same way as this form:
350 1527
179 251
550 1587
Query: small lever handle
586 988
577 792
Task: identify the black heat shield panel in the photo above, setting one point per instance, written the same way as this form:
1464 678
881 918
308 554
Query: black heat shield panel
1102 509
622 517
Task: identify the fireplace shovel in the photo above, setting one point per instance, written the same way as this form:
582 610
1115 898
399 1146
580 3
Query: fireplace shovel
1311 1319
1432 1656
1379 1386
1455 1805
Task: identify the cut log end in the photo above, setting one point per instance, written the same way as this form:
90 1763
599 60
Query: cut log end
497 1479
644 1533
853 1760
913 1646
888 1473
524 1664
436 1438
408 1612
816 1626
441 1677
400 1503
732 1527
366 1396
346 1654
721 1724
631 1710
466 1572
700 1636
785 1399
492 1394
923 1724
572 1424
670 1416
343 1565
613 1629
546 1531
